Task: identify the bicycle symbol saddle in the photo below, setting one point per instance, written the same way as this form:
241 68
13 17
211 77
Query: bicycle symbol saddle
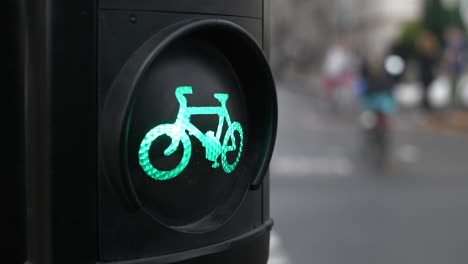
178 130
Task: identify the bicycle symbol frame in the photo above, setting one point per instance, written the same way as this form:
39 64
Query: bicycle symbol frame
210 140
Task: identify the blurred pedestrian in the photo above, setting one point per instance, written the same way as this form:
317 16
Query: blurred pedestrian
428 62
454 55
338 69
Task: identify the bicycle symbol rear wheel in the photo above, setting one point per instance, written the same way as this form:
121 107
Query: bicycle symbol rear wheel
175 133
229 138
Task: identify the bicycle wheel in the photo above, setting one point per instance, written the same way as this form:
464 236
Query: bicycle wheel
381 148
229 144
175 133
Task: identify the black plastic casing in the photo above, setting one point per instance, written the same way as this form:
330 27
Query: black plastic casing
72 51
12 133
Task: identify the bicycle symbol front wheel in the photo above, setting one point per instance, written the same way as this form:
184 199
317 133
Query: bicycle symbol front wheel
229 144
177 135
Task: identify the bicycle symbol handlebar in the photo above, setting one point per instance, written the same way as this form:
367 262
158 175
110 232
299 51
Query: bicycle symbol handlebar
210 140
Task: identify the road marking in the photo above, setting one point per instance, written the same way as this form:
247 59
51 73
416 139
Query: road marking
408 153
277 252
311 165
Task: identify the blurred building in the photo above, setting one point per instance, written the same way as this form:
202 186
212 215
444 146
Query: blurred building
373 24
302 29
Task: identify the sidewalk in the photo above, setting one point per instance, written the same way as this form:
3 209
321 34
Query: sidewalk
455 122
450 122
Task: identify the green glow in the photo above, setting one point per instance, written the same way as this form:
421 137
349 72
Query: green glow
211 140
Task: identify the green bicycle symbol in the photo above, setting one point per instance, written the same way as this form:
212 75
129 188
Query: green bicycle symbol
178 133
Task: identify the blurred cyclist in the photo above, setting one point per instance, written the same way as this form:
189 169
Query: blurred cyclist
374 87
337 70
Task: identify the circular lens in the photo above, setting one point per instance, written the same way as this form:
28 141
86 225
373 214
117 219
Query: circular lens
188 97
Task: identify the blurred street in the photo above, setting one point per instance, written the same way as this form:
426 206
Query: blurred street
330 207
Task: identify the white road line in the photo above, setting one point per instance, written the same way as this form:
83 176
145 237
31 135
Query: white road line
311 165
277 252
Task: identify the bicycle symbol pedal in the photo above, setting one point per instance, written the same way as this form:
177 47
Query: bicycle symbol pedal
179 130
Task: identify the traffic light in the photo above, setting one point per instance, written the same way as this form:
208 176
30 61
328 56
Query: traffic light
149 128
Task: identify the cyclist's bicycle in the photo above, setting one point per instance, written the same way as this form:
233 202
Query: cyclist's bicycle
179 130
376 136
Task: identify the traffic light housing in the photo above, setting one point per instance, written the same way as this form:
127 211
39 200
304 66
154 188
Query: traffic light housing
149 127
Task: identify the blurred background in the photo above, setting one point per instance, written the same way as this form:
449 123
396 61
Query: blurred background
371 158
